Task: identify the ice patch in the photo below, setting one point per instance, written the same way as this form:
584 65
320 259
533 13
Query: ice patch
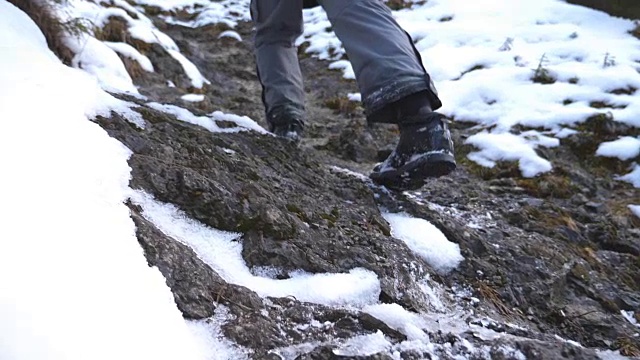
222 251
211 340
629 315
364 345
398 318
425 240
635 209
610 355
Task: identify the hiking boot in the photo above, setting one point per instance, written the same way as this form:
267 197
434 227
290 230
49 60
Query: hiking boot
425 150
286 125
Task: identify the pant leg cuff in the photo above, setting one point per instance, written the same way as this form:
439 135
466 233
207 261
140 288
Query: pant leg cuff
376 104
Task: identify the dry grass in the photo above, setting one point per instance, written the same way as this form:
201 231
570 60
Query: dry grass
341 105
548 185
491 295
53 30
116 30
402 4
636 31
627 347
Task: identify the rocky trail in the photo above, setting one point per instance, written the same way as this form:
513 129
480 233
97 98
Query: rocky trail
551 264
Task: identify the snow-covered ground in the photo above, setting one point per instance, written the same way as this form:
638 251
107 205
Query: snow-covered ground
74 281
483 55
61 296
484 74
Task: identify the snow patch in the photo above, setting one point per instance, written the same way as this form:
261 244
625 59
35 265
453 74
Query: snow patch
210 338
223 252
507 147
130 52
230 34
629 315
425 240
625 148
364 345
77 285
633 177
398 318
209 122
192 97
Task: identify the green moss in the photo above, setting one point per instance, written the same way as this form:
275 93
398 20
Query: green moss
246 224
580 272
294 209
548 185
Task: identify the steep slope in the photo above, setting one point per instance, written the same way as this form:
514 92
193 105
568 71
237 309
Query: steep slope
292 253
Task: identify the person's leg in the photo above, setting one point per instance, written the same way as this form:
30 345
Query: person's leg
278 25
395 88
384 60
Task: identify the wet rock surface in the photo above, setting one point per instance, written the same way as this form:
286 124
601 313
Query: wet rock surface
554 255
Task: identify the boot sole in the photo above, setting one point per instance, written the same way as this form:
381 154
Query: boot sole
412 176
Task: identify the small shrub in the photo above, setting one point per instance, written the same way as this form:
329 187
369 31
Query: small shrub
636 31
541 74
609 61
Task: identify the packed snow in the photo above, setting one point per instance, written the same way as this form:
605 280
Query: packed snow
100 57
209 122
230 34
398 318
629 315
625 148
132 53
426 240
219 250
192 97
77 285
209 337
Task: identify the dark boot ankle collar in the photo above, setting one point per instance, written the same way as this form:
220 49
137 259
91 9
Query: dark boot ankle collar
421 119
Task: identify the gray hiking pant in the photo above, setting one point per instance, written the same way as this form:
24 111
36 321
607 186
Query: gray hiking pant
386 64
